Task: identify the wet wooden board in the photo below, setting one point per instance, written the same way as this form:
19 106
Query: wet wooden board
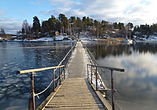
74 94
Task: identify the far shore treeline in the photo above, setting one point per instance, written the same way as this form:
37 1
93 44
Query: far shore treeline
76 25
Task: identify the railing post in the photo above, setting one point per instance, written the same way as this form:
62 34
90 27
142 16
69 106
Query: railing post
96 79
112 90
32 107
59 76
64 72
53 81
91 75
87 73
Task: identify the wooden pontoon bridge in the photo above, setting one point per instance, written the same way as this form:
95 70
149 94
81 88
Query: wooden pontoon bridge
78 84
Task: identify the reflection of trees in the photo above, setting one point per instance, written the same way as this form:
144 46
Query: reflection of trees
3 53
37 59
144 48
106 50
117 50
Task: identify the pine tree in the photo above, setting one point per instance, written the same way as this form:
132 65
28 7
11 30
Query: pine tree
2 31
64 22
36 25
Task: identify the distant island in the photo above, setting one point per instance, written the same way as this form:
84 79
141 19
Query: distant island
76 26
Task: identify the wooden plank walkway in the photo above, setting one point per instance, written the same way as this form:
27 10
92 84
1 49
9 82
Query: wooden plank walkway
75 92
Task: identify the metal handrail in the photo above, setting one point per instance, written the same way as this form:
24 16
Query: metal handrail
109 68
98 76
39 69
32 71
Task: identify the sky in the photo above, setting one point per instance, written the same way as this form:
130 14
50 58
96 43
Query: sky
14 12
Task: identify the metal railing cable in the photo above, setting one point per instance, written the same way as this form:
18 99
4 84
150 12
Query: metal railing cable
98 76
37 94
66 56
57 78
95 63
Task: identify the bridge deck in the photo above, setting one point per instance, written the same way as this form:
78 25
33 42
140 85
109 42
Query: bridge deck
75 92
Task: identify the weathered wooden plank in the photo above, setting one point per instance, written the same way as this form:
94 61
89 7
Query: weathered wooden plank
74 94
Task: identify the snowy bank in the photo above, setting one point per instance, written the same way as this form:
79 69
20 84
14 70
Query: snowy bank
57 38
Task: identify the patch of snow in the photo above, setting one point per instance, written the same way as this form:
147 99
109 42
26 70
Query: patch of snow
113 32
13 36
127 41
134 36
61 37
18 40
152 37
35 40
43 39
136 33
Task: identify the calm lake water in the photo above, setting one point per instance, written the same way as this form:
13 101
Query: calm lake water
15 88
137 86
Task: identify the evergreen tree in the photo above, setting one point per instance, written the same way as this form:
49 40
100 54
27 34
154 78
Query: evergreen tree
72 21
84 22
36 25
45 27
153 28
78 24
130 25
115 25
2 31
64 22
97 25
121 26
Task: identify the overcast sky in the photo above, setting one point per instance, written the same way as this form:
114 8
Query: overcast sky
13 12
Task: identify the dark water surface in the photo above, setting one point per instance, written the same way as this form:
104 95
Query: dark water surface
15 88
137 86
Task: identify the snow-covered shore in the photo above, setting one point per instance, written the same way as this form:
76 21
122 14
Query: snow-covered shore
150 39
57 38
36 40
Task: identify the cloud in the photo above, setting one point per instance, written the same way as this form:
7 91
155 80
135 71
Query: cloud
135 65
2 12
64 3
11 28
8 20
66 11
37 2
138 82
138 11
10 25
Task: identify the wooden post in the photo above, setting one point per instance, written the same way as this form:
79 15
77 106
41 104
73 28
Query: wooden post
112 90
64 72
59 76
32 92
87 73
53 81
91 75
96 79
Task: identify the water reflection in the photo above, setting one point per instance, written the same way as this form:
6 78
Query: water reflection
117 50
137 87
15 88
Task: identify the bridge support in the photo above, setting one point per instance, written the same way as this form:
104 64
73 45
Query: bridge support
32 101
